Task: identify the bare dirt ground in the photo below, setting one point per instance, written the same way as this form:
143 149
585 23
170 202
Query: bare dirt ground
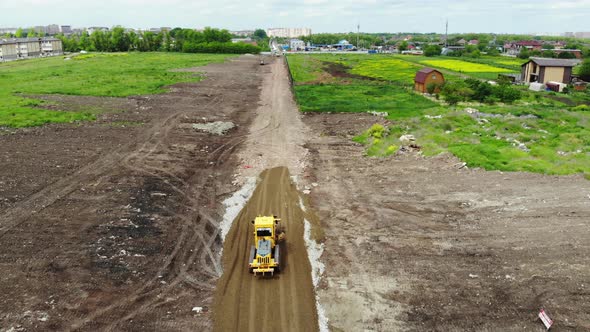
113 225
418 244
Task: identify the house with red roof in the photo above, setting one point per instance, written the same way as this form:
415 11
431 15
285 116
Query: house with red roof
426 76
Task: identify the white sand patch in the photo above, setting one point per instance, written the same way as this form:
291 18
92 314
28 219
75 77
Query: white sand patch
235 203
314 252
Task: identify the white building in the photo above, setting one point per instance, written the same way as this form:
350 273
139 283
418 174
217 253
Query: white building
297 45
288 32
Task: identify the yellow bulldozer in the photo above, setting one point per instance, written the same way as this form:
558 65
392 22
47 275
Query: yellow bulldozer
265 253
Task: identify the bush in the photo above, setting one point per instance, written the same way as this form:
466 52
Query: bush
432 87
583 108
524 54
506 93
432 50
566 55
376 131
391 150
218 47
456 92
585 70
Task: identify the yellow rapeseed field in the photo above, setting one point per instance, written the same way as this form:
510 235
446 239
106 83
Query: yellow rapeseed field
465 67
387 69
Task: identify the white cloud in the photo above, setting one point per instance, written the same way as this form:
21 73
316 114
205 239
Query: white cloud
320 15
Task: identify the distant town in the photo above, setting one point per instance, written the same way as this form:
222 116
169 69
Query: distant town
54 39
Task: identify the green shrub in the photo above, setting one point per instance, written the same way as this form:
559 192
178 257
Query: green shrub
377 131
583 107
454 92
432 87
432 50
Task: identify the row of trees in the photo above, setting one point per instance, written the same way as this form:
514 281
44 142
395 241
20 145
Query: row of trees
547 53
176 40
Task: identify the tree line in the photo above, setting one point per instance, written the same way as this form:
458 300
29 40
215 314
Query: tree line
209 40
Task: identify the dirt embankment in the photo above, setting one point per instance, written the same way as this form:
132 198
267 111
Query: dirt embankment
285 302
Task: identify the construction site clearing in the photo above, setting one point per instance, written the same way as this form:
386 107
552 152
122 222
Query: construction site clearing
149 227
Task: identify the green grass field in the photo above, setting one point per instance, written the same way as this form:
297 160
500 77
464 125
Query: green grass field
109 74
536 134
317 91
360 96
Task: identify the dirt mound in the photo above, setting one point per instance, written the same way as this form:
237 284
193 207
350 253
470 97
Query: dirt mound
285 302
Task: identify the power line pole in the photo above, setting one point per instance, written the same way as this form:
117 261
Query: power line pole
358 31
447 34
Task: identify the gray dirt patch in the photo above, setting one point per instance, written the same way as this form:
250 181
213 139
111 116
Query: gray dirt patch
217 127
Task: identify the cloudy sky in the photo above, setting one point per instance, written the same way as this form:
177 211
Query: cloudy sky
501 16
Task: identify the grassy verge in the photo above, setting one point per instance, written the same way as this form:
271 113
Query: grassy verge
112 74
536 134
360 96
541 139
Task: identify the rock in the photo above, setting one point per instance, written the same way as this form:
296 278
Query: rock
381 114
405 139
217 127
197 309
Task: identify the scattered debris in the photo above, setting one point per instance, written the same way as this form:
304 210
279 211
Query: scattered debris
217 127
548 322
473 276
381 114
198 309
433 116
405 139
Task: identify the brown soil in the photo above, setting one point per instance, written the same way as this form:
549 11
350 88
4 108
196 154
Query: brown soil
111 227
421 244
342 71
285 302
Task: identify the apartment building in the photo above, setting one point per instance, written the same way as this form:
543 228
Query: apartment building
23 48
288 32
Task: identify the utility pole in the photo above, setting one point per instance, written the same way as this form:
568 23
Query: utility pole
358 31
447 34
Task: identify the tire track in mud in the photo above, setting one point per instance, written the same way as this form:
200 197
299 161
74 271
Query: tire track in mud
285 302
194 241
194 238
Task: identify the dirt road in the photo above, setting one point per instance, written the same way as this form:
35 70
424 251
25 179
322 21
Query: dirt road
277 134
275 141
285 302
